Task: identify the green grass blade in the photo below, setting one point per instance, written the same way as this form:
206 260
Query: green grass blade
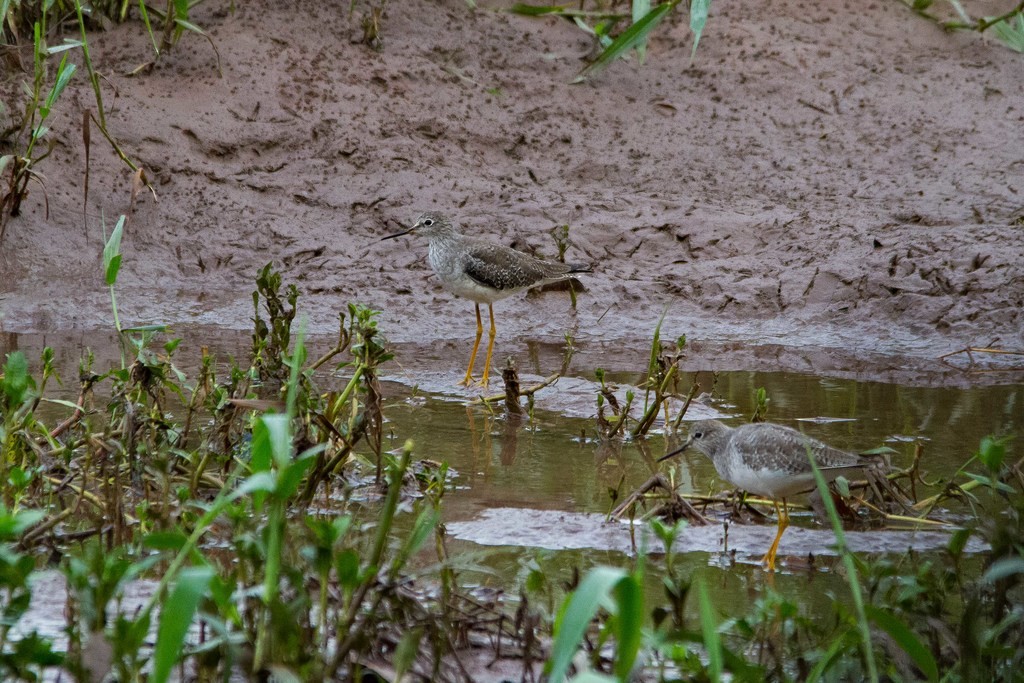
581 608
175 618
907 640
149 27
698 18
709 629
851 569
629 39
534 10
641 8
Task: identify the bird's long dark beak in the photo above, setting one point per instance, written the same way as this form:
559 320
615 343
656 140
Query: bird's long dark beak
675 452
398 234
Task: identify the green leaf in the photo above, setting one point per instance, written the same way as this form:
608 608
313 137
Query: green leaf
838 646
68 44
991 452
1009 33
165 540
347 567
709 629
64 73
20 521
698 17
1002 568
176 617
958 540
991 483
291 474
61 402
16 379
271 442
112 253
261 482
189 26
425 523
630 620
626 41
572 623
406 651
881 450
906 639
279 430
843 486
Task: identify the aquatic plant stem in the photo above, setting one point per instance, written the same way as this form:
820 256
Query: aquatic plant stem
851 569
202 525
275 534
372 568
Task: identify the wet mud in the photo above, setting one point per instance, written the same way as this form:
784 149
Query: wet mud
839 183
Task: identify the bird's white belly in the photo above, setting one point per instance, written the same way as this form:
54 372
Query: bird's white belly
771 483
469 289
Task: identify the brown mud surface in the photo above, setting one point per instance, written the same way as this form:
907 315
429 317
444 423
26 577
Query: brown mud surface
843 179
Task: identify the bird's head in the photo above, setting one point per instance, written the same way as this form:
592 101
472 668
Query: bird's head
428 224
705 436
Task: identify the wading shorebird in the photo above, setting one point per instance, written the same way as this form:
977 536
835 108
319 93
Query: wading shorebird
769 460
483 272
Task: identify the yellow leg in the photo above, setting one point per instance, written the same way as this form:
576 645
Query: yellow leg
476 345
783 516
490 348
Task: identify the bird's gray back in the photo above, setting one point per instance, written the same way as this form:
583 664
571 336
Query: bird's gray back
779 447
503 268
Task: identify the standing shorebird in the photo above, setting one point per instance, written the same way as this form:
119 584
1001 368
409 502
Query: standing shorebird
483 272
769 460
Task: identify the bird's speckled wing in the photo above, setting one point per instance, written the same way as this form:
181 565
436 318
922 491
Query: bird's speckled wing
504 268
773 446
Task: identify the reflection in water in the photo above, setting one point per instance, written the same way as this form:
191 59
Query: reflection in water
510 438
543 464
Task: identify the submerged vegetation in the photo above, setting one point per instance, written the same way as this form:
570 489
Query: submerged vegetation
272 535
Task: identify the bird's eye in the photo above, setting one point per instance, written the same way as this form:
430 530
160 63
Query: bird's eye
428 222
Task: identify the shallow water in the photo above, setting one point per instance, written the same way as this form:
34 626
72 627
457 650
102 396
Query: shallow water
540 491
534 492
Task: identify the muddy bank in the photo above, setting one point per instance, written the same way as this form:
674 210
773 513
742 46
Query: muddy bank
827 176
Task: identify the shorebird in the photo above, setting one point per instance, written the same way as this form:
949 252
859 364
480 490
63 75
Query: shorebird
769 460
483 272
